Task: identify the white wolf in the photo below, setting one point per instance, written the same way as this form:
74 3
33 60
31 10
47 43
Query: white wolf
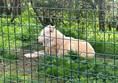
55 42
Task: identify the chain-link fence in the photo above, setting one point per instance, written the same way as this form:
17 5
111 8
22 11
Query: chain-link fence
58 41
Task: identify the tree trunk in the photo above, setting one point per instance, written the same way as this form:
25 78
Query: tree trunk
101 14
1 7
16 10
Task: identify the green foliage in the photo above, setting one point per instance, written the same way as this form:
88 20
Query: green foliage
13 78
104 42
25 30
80 69
21 33
9 55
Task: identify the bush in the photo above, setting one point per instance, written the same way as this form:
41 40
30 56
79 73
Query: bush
80 69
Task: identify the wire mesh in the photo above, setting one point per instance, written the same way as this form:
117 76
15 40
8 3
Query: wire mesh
54 41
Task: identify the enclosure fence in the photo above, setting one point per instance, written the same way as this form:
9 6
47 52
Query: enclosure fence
58 41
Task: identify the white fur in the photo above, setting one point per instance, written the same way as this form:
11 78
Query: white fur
57 43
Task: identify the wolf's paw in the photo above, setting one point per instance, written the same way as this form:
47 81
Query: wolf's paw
34 55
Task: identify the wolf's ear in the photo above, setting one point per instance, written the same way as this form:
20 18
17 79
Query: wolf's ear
52 28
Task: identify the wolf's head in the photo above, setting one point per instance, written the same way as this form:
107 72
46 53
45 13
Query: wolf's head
47 34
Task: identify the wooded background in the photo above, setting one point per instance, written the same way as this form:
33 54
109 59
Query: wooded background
50 11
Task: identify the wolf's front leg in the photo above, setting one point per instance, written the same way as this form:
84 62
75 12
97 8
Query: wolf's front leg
35 54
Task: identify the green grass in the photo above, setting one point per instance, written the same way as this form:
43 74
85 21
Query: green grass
61 69
81 69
